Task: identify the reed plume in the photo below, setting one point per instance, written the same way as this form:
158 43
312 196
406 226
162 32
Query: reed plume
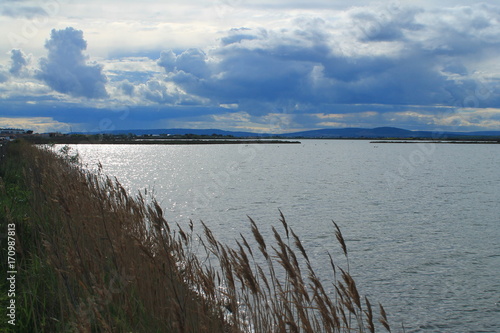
111 262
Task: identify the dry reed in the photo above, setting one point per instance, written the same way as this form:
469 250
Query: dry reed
120 266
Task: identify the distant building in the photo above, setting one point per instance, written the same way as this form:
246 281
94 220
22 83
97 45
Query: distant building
55 134
7 134
13 131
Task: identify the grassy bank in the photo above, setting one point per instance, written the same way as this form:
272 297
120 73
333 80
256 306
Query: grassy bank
91 258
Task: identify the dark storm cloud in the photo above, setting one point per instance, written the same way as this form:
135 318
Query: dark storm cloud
241 73
409 79
66 70
311 74
18 62
253 74
103 119
396 55
364 66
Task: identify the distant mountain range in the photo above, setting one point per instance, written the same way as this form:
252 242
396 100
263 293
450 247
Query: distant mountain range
385 132
378 132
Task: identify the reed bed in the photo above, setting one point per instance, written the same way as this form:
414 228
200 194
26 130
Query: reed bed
101 260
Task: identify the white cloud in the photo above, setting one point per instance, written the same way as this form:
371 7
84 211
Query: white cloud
24 89
332 124
158 92
36 124
134 65
450 119
365 114
233 106
66 69
19 61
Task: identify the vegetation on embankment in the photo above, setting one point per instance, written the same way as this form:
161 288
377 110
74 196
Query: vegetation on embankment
90 258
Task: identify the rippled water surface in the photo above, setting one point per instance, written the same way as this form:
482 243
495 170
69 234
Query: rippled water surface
421 221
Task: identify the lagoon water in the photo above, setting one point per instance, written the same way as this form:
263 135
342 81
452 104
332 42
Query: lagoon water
421 221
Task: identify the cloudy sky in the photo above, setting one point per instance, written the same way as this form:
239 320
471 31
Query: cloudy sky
262 66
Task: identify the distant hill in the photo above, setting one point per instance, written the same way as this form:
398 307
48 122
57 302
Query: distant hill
378 132
384 132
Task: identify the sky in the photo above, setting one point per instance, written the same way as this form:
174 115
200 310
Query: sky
260 66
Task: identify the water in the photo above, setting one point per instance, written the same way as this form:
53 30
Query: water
421 221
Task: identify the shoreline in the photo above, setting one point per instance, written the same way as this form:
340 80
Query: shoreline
162 142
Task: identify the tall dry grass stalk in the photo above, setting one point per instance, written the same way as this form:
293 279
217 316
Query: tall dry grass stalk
121 267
